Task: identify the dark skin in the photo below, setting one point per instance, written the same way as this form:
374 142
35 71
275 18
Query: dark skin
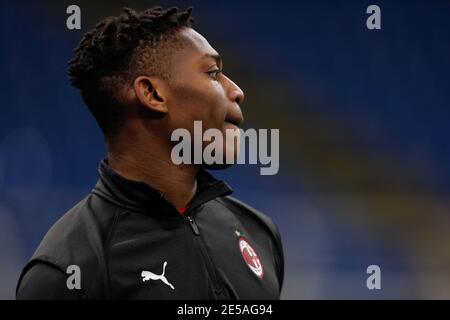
197 90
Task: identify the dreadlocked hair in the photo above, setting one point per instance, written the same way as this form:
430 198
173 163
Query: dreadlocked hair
120 48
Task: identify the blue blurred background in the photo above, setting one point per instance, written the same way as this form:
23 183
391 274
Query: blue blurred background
364 134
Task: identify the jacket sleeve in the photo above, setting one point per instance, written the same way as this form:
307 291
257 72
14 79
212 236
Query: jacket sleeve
280 257
45 282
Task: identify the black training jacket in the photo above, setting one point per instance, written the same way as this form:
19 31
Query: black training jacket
131 243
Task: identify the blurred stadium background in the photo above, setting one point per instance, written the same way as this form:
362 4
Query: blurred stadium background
364 126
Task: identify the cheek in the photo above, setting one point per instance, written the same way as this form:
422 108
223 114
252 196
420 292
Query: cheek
205 102
216 109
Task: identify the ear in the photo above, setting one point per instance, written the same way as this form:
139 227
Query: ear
150 92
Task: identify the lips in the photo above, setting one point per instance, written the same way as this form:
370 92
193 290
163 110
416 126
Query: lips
234 120
234 116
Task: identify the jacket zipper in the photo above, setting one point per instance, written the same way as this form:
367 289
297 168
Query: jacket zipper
212 270
193 225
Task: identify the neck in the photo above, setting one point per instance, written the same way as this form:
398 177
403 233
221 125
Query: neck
178 183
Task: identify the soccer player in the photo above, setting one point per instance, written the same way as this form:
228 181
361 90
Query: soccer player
151 229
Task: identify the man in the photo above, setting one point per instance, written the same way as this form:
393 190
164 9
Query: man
151 229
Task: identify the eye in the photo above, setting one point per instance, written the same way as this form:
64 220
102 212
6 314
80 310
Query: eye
215 73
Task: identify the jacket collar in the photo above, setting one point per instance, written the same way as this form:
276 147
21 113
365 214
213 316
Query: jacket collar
142 196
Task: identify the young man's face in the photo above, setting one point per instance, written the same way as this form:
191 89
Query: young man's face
198 91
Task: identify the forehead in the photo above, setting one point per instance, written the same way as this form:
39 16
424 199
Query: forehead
196 48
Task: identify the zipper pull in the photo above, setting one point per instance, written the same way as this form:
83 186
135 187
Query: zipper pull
193 225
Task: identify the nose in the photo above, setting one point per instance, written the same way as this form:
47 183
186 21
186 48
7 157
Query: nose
235 93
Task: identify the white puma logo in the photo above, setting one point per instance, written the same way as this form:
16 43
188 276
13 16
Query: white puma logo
147 275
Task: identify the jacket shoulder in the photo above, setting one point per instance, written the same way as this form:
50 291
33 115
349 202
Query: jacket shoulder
78 238
236 205
81 227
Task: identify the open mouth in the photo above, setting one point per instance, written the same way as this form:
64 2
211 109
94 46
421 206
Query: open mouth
231 122
231 125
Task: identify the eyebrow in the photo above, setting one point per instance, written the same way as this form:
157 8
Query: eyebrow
215 56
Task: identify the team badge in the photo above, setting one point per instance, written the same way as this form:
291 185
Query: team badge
251 257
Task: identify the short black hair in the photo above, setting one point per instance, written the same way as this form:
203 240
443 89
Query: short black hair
118 50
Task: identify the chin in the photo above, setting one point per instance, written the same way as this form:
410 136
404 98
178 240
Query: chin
234 155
